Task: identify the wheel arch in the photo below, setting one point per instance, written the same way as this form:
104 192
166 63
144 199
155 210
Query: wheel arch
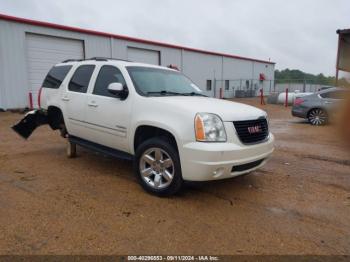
314 108
144 132
55 117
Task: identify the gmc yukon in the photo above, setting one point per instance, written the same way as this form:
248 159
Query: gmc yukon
153 115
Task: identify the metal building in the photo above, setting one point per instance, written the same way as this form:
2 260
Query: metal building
28 49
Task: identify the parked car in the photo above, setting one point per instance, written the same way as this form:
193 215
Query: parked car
153 115
325 88
319 107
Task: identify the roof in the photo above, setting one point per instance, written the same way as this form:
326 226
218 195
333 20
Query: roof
122 37
343 31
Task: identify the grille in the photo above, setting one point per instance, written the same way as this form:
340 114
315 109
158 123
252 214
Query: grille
247 166
252 131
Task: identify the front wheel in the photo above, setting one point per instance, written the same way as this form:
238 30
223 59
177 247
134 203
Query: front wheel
157 167
318 117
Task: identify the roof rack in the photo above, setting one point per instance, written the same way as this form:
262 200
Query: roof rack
96 59
72 60
107 58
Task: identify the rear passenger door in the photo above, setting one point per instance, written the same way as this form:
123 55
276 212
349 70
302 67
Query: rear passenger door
107 115
74 101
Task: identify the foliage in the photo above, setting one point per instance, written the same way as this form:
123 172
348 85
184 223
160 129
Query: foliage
295 75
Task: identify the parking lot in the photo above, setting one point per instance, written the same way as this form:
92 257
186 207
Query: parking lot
299 203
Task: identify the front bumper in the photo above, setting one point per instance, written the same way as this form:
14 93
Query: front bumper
213 161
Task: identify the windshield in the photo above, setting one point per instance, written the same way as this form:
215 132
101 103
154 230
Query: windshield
159 82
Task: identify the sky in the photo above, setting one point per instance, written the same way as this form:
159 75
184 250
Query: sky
298 34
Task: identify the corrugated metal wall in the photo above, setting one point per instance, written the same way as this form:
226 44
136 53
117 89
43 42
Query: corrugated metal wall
200 67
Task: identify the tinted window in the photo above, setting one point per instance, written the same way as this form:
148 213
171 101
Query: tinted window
81 78
334 95
153 81
107 75
325 95
56 76
227 84
208 85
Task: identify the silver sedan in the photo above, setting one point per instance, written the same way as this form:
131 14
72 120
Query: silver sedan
319 107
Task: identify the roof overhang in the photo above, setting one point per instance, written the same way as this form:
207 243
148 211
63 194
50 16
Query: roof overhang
343 31
343 55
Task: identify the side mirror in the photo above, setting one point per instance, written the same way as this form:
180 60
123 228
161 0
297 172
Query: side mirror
118 90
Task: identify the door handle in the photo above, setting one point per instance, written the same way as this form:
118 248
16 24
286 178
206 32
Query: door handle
65 98
93 104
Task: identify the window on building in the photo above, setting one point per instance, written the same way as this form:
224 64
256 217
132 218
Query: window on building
107 75
227 84
209 85
81 79
56 76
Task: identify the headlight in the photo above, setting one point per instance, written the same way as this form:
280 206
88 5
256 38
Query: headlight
209 128
267 119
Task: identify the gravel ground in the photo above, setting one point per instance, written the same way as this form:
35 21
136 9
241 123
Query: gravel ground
298 203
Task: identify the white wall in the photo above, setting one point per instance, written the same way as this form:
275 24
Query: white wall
202 67
199 67
167 55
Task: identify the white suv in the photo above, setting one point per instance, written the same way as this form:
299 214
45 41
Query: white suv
153 115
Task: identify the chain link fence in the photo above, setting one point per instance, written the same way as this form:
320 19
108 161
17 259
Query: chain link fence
242 87
251 87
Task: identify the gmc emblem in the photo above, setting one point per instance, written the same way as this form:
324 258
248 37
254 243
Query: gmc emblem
254 129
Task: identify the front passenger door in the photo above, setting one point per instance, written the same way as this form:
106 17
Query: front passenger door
107 115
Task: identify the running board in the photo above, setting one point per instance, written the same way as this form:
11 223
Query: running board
100 148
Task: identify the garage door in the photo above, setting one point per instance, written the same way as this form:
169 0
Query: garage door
45 51
144 55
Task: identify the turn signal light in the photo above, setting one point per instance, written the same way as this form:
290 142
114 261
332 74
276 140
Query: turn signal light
199 128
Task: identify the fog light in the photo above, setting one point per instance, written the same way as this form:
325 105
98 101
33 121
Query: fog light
218 172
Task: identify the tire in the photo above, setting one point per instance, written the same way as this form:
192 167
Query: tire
317 117
157 167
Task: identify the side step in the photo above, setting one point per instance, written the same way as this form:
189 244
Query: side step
100 148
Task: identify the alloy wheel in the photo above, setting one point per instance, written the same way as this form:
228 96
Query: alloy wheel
156 168
317 117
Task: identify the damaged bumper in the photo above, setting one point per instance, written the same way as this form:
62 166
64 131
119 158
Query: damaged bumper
30 122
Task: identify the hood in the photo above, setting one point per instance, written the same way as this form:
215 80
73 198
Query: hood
227 110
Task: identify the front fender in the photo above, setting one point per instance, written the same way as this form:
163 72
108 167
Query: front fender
157 124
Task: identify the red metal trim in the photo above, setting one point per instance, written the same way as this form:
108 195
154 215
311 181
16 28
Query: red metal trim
262 100
134 39
31 106
286 102
39 97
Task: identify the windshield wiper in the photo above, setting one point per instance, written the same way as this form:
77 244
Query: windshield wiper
164 92
193 94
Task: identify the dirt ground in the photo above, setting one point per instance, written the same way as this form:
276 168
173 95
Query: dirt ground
298 203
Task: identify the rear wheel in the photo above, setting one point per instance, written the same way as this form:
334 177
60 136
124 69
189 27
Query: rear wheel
157 166
318 117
